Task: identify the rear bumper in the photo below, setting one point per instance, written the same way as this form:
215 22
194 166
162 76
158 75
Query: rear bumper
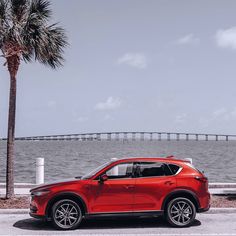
200 210
204 202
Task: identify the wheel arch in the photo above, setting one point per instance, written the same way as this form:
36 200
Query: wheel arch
181 193
65 195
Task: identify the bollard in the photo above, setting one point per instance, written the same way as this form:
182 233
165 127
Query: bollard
189 159
39 170
114 170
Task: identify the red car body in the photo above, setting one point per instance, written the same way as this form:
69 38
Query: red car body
129 195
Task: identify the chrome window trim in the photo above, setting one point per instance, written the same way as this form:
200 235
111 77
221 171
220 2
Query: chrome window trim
180 169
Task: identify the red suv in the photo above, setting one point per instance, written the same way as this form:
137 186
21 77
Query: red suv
131 186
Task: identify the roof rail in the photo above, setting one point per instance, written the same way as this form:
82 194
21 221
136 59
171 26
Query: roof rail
170 157
189 160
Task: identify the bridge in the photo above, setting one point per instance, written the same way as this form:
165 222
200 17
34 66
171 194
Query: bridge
133 136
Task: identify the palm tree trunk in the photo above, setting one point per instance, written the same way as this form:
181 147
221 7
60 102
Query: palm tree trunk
11 139
13 63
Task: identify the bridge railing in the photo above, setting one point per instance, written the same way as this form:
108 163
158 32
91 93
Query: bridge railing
132 136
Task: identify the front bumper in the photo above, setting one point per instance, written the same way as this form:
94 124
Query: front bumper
40 217
34 212
38 205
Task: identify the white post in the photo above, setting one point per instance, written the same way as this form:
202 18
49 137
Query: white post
39 170
115 170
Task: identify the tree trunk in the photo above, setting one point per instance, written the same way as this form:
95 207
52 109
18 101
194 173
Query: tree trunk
13 65
11 139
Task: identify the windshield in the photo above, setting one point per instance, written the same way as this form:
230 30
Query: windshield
93 172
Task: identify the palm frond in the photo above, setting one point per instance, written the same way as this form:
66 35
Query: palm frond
3 7
50 50
38 15
28 56
28 29
18 9
40 9
3 16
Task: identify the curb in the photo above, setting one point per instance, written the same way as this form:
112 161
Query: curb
215 210
14 211
222 185
211 211
19 185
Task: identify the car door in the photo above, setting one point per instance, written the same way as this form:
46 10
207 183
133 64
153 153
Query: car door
116 194
153 182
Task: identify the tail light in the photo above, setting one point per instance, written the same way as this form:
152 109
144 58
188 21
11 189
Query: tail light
203 180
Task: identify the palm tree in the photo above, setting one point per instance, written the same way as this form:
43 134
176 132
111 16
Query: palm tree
26 35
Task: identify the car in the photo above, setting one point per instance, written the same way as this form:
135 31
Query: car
168 187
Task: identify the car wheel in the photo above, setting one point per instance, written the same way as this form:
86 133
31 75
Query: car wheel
180 212
66 214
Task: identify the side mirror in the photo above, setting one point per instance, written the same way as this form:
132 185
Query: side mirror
103 178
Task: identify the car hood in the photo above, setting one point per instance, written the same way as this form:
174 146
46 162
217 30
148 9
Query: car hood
55 183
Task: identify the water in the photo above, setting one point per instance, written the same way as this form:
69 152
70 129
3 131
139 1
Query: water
66 159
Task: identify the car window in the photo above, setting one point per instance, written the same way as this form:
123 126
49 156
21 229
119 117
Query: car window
123 170
93 172
174 168
149 169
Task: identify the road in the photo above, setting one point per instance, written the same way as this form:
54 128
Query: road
206 224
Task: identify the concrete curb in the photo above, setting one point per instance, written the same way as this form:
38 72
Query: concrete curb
19 185
214 210
14 211
211 211
222 185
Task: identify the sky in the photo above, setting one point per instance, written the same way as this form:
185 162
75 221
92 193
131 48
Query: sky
132 65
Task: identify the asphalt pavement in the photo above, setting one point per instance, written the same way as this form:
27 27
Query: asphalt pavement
208 224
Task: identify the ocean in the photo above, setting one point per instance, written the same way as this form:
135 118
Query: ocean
66 159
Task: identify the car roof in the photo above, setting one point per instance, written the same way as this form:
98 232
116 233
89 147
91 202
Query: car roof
169 159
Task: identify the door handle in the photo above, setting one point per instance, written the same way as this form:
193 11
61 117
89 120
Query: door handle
129 186
169 182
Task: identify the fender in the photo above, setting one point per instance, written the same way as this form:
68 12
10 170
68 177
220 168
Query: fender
180 192
61 194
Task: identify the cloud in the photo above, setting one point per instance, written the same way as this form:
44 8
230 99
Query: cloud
110 104
219 115
233 113
204 122
136 60
82 119
108 117
51 104
224 114
219 112
181 118
226 38
187 39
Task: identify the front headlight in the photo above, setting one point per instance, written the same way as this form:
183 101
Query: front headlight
40 193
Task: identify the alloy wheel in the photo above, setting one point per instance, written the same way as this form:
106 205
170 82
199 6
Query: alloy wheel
181 212
66 214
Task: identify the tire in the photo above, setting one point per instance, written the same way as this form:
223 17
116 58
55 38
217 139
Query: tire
66 214
180 212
